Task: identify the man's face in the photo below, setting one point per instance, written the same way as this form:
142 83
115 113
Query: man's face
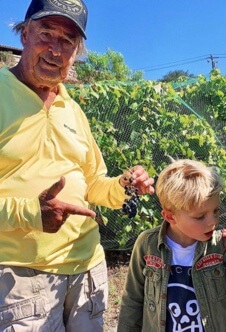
50 46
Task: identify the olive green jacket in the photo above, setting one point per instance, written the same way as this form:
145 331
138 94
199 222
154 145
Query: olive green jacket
144 300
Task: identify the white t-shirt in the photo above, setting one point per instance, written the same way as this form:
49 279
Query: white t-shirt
182 307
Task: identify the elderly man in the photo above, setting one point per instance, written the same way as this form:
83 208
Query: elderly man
53 273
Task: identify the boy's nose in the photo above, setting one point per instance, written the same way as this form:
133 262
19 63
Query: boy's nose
214 220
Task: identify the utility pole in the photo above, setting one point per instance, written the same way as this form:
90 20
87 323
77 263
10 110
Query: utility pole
211 59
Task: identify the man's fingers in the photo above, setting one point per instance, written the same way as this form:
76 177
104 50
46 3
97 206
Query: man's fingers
80 210
138 177
54 190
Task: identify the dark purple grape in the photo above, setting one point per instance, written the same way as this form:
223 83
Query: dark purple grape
130 206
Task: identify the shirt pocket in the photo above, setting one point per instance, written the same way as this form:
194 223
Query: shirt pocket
215 278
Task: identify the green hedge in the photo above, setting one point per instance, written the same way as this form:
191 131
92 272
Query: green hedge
144 123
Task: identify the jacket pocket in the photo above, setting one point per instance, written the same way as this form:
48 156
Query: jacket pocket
215 278
152 286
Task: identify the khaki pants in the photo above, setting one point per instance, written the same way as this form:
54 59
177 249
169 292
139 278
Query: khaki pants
34 301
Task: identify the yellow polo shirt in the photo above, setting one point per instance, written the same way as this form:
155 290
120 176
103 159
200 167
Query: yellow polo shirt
37 147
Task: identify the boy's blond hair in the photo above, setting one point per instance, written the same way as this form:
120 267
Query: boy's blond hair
185 184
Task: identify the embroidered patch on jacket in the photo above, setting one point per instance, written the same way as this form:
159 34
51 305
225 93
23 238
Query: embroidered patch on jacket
155 261
209 260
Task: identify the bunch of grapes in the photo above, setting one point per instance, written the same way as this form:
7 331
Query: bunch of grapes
130 206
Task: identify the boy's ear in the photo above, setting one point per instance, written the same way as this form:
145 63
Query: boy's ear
168 216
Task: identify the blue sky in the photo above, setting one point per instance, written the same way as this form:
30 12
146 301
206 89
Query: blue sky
155 36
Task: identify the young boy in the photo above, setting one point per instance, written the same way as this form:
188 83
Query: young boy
177 275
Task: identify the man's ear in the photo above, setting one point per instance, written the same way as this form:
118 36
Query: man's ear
24 36
168 216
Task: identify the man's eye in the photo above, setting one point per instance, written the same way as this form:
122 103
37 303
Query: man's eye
46 34
67 42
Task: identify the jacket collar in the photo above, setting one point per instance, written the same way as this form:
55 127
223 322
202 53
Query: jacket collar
162 234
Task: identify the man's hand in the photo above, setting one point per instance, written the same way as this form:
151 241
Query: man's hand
139 178
55 212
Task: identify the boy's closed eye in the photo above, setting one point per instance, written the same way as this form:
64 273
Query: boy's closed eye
201 217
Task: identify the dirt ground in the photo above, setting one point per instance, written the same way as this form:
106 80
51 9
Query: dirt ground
116 279
117 270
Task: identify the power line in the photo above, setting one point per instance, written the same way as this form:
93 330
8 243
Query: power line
209 58
220 55
176 62
174 65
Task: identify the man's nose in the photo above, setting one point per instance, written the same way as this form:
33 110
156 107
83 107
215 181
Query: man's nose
55 48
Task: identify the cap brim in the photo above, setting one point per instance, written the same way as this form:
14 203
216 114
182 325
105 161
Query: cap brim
44 14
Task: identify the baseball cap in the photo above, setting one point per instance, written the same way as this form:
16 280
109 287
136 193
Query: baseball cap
75 10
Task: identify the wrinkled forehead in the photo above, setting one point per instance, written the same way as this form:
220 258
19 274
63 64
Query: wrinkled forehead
57 23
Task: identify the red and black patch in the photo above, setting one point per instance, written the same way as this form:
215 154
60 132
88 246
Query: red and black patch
154 261
209 260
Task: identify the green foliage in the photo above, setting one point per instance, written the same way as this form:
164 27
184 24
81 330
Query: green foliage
7 58
176 75
101 67
144 123
208 96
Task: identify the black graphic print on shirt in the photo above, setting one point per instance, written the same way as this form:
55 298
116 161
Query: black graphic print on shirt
182 308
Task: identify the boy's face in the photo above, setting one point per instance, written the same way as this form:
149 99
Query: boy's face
196 225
